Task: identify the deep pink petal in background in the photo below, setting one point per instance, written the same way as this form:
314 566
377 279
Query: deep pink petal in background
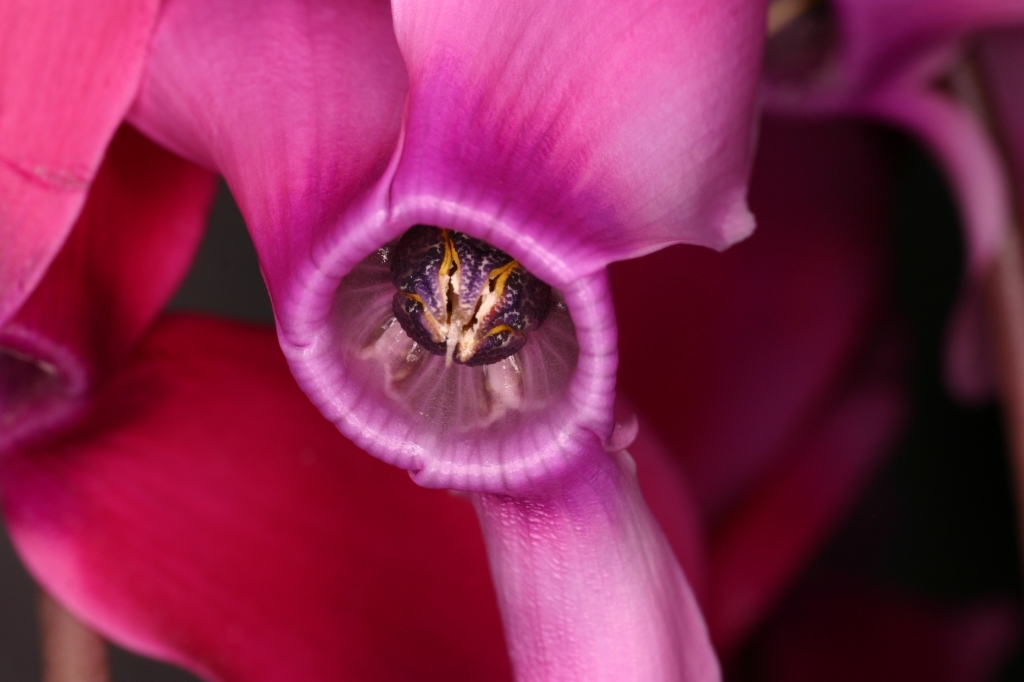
846 631
208 515
770 372
129 249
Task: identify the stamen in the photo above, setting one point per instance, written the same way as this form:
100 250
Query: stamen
458 290
490 303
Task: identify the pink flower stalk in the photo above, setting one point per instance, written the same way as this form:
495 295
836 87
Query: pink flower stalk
897 62
207 515
567 136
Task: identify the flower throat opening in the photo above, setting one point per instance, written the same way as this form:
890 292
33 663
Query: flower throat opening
462 298
450 335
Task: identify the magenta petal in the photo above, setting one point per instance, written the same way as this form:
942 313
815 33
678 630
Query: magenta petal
769 537
973 166
125 256
588 585
68 72
297 103
208 515
579 133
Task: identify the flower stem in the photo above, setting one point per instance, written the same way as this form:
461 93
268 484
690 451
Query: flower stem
588 586
782 13
71 651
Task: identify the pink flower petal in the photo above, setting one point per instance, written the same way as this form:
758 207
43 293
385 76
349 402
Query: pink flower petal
209 516
588 585
68 72
297 103
763 544
129 249
584 131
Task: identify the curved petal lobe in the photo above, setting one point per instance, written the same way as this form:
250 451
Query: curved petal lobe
68 72
594 131
209 516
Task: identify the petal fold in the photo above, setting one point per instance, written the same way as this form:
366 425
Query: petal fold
127 253
297 103
50 149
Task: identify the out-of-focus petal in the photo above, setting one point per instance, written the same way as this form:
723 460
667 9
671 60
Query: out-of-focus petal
746 363
129 249
973 166
68 72
883 59
263 545
845 631
873 43
668 492
588 585
758 549
1001 57
757 337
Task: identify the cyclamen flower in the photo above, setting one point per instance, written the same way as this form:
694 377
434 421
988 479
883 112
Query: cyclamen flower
566 136
222 524
897 62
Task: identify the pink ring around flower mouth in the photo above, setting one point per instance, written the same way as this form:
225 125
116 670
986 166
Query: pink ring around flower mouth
440 425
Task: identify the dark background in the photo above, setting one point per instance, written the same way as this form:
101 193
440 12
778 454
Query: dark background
950 532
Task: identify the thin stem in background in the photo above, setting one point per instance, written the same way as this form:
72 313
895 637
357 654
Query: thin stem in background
71 651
